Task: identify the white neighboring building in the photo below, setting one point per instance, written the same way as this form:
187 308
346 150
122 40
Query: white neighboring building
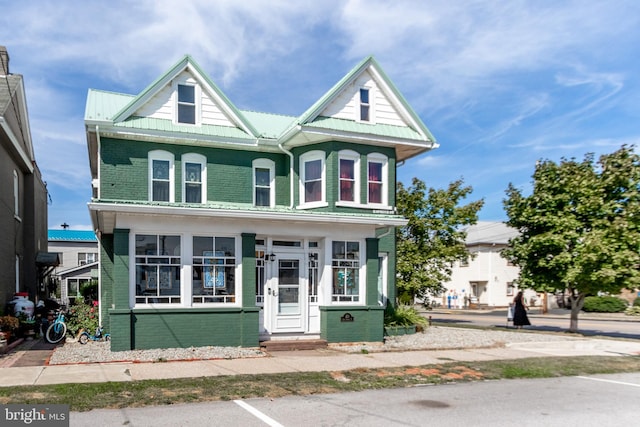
78 255
487 279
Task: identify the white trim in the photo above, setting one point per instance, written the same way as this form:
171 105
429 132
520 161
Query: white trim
162 156
202 161
370 104
311 156
271 166
355 157
379 158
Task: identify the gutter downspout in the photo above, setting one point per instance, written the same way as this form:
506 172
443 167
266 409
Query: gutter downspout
98 233
290 154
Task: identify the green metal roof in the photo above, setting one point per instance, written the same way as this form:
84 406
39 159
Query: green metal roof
103 105
153 124
368 128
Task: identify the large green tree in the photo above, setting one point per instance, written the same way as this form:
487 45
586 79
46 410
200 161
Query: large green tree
433 238
580 227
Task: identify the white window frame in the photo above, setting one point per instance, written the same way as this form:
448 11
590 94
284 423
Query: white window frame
265 164
83 257
380 158
202 161
162 156
355 157
361 268
369 104
197 106
16 194
309 157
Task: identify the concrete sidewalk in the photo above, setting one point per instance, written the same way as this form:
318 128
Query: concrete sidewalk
303 361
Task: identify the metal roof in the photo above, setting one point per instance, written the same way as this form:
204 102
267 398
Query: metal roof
72 236
490 232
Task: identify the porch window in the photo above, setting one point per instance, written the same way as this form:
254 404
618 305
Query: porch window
312 177
194 172
377 179
314 273
214 264
260 277
161 176
157 264
348 176
346 266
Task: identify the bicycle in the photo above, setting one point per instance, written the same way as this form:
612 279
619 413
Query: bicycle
57 330
98 336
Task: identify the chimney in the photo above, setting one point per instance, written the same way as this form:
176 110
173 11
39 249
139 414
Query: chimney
4 61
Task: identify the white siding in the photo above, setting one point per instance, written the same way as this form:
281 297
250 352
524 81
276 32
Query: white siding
163 104
347 104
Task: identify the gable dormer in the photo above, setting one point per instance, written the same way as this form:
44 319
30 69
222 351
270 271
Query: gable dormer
185 96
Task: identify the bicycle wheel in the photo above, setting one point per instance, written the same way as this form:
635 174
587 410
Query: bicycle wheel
107 337
84 337
56 332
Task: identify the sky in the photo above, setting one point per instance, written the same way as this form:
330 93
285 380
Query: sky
500 84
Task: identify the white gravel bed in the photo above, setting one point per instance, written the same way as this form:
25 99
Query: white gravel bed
96 352
444 337
433 338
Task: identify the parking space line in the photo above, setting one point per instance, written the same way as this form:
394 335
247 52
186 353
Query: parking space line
609 381
259 415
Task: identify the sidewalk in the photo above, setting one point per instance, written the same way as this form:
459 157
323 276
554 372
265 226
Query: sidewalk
553 313
304 361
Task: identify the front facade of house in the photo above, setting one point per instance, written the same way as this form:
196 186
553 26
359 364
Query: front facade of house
77 252
226 227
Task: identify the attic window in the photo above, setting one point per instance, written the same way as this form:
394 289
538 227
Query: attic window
186 104
364 104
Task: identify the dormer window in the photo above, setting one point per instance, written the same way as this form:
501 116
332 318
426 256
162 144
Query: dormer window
186 104
364 105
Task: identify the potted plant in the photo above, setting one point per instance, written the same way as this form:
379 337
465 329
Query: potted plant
8 325
403 320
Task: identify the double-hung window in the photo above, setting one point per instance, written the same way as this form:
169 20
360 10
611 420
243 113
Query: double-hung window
263 182
345 263
365 106
186 104
214 265
194 172
312 191
87 258
377 179
161 187
157 264
349 172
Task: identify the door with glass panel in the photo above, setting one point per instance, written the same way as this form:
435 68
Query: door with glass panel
285 294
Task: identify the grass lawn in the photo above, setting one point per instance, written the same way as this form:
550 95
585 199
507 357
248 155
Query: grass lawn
84 397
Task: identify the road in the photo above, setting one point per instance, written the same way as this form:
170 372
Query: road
567 401
543 322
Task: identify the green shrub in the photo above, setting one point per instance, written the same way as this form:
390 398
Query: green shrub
633 311
636 302
82 316
403 315
605 304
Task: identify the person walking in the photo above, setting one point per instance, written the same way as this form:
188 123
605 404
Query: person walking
520 317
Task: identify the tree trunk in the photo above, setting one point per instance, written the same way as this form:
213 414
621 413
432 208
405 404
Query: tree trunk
577 301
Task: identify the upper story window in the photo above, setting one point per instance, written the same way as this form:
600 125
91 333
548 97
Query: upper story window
186 104
377 179
161 188
312 178
87 258
349 172
264 183
365 106
16 194
194 172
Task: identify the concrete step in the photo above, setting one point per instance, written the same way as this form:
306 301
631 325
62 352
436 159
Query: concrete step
292 345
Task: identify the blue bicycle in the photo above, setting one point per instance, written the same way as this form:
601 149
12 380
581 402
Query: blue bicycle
98 336
57 330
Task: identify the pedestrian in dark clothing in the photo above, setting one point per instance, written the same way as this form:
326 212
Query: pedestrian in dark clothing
520 317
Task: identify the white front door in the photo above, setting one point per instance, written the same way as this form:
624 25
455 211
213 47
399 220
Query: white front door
286 294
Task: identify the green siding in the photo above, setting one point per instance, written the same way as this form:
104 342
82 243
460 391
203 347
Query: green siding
367 324
106 278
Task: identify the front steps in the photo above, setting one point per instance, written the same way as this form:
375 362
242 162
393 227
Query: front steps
293 344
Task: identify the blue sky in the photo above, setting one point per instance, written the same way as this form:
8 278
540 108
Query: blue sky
500 84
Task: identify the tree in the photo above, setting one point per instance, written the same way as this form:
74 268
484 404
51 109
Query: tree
434 237
580 227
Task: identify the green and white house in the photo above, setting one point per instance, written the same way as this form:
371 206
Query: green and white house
220 226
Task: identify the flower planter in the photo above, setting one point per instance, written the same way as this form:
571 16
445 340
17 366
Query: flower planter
391 331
